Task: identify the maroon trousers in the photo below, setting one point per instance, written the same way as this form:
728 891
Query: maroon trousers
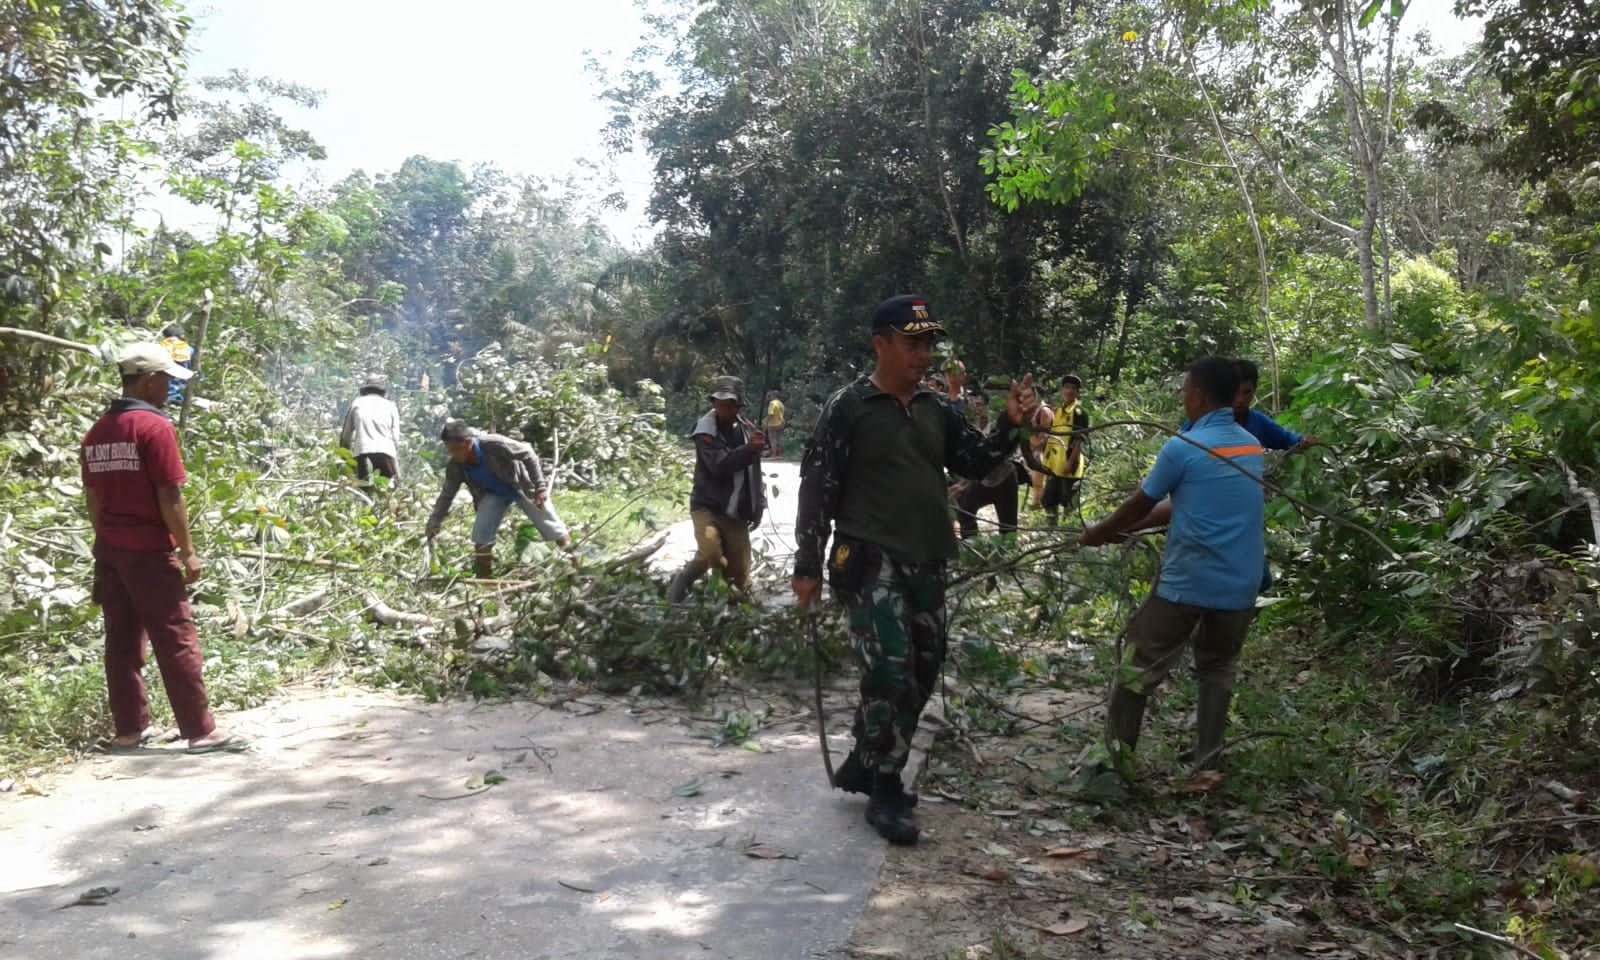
143 599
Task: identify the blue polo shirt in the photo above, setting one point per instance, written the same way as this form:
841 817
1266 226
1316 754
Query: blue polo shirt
483 478
1216 546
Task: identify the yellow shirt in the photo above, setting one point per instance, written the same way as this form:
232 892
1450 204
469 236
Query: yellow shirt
775 414
1058 445
178 349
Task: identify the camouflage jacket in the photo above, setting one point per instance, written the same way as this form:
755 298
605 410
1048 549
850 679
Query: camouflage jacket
874 471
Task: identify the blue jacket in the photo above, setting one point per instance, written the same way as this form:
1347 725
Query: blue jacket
1272 434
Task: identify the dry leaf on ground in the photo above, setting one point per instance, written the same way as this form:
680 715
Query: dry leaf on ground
763 852
1074 853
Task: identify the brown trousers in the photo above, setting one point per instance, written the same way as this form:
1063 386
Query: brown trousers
722 541
1160 628
145 606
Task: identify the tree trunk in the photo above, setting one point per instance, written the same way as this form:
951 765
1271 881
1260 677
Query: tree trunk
1265 304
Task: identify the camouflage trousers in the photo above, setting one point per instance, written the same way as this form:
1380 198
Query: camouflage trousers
898 627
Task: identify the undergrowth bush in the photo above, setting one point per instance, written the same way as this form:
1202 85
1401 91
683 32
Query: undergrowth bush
278 517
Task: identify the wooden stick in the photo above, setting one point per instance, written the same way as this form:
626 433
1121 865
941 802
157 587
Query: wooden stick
192 387
312 562
481 582
1495 937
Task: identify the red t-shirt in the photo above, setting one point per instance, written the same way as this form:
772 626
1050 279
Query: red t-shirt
126 456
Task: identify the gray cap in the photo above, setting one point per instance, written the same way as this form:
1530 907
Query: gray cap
727 388
145 358
376 382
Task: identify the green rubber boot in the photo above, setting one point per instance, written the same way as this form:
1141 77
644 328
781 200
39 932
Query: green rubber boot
1211 722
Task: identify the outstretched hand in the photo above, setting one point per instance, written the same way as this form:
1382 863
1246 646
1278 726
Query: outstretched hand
1015 411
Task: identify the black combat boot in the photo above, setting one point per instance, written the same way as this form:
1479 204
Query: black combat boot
1211 721
852 777
887 812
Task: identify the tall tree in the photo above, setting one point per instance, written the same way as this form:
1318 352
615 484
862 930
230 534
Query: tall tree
64 167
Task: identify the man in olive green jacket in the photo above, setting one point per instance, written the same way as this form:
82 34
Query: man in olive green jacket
874 478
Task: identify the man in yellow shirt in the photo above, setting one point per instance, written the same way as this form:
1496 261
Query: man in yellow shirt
1061 458
774 422
182 354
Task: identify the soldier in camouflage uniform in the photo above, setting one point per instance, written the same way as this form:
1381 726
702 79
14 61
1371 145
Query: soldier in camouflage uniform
874 476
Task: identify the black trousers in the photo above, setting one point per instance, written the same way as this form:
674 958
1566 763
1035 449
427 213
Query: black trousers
1004 498
381 462
1058 493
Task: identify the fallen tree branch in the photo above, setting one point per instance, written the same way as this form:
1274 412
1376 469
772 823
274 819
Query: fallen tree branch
298 608
1277 490
496 624
17 334
479 582
390 617
640 552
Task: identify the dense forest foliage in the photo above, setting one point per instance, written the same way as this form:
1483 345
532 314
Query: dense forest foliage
1405 241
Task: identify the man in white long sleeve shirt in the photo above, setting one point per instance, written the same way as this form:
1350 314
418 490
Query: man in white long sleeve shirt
371 431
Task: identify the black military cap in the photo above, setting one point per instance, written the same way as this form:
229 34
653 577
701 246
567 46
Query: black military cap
907 314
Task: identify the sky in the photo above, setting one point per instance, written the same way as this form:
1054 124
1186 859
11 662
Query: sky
466 80
499 81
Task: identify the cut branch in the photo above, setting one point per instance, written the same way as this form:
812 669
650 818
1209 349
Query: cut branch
1587 496
311 562
390 617
298 608
16 334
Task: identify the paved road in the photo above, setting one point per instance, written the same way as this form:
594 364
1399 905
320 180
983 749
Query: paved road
362 826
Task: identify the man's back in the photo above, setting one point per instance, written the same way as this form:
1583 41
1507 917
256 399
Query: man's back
372 425
1216 545
126 456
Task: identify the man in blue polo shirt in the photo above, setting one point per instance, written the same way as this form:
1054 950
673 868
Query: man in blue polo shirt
1272 434
1211 569
500 473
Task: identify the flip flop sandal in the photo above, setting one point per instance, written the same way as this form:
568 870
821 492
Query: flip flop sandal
119 749
230 744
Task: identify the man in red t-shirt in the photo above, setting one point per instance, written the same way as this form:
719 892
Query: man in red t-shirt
132 485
